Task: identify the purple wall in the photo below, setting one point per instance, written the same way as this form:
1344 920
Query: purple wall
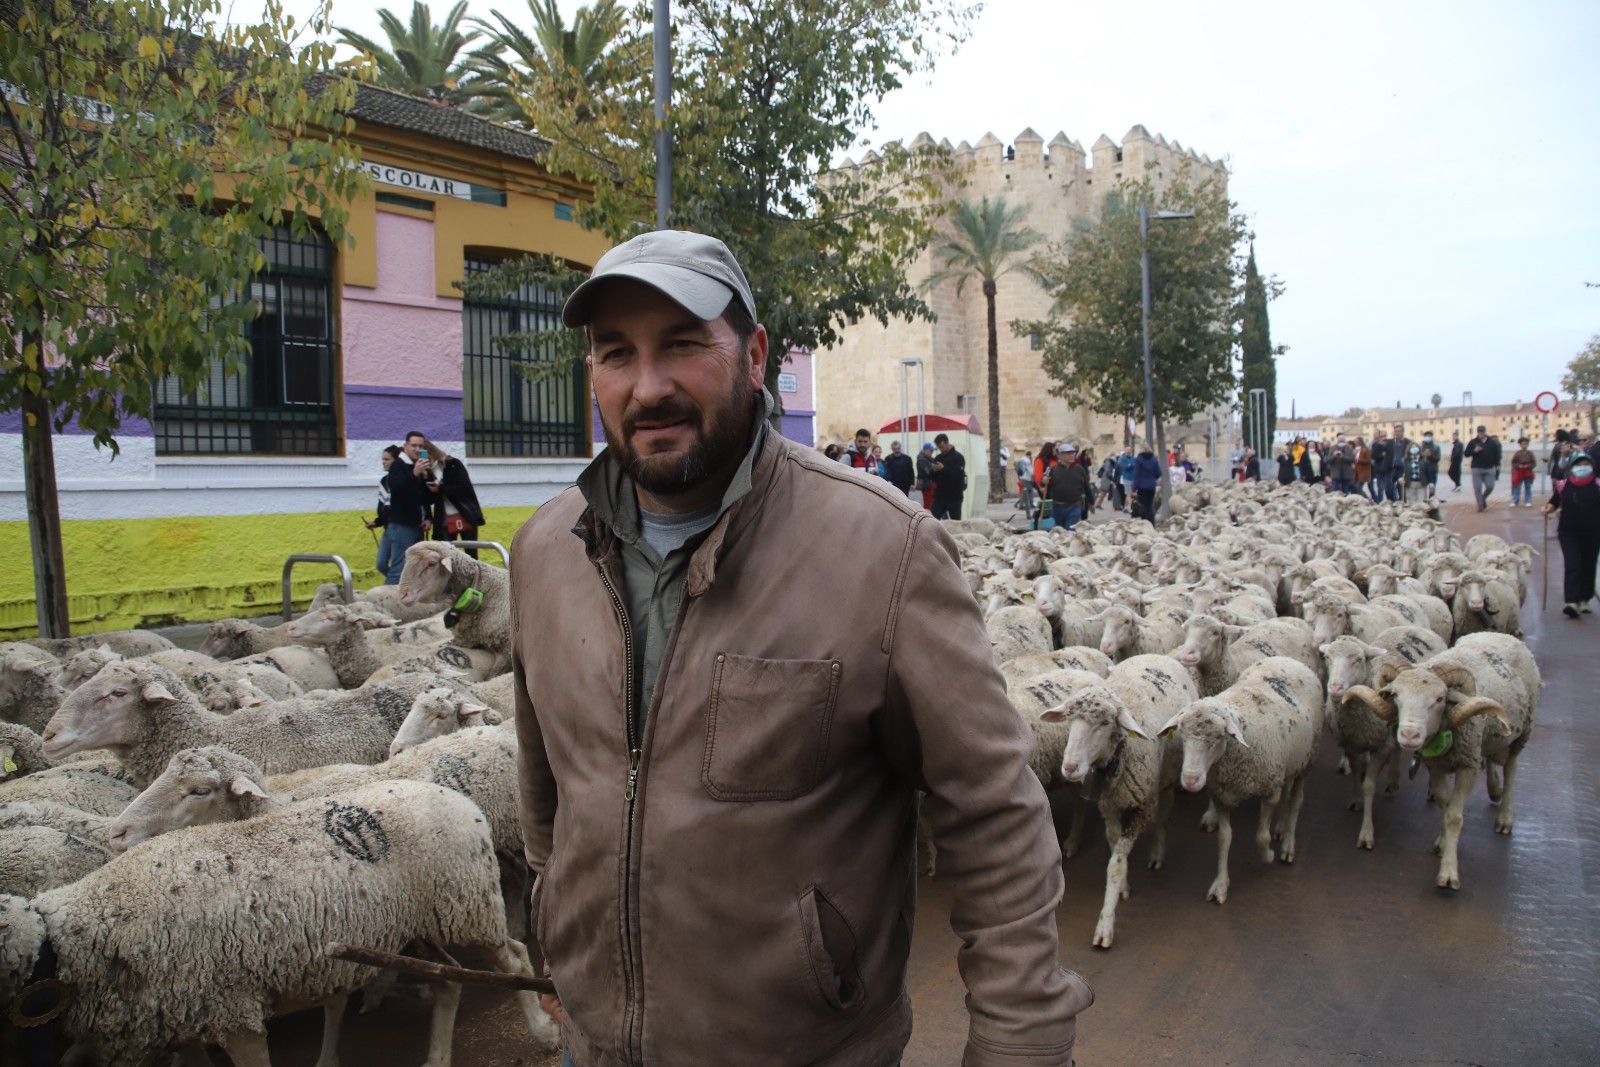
387 413
132 426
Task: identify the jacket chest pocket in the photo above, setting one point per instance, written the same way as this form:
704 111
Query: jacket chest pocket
767 726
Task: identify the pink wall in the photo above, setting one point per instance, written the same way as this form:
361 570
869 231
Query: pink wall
402 333
799 365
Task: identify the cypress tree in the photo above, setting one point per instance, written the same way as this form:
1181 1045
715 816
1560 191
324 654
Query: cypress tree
1258 368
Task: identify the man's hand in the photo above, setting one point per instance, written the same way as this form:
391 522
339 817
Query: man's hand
1547 508
937 465
552 1007
420 468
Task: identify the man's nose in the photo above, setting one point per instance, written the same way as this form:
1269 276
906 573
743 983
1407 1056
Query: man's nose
652 384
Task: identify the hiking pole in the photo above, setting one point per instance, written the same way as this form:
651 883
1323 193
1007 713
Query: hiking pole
1544 599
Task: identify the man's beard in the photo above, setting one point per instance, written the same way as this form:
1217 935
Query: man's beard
723 435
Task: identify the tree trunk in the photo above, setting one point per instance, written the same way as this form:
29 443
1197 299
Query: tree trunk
997 466
44 519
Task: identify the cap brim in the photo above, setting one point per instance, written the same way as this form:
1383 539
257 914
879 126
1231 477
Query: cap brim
701 296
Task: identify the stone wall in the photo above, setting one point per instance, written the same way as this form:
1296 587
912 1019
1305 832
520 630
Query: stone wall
858 380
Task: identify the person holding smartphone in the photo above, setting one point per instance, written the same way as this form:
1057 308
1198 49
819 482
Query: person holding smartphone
454 507
409 505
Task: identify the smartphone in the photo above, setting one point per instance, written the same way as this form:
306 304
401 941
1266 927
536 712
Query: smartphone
422 455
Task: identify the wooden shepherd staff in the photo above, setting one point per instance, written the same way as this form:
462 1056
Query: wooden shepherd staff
436 972
1544 600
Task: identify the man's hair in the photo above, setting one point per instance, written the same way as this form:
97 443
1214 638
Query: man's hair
393 451
1483 429
863 432
942 439
1522 440
415 433
741 321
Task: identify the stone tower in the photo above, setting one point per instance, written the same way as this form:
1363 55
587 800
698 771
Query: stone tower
858 379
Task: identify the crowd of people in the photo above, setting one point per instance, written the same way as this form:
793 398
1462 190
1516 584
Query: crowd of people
424 492
938 474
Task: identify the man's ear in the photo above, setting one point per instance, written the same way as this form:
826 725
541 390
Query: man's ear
757 352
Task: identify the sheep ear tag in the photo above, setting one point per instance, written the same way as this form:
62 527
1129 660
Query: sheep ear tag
469 601
8 766
1438 744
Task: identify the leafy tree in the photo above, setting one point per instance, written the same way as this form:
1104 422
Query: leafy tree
1258 364
1092 343
765 94
989 242
1435 400
1582 379
128 229
576 60
421 59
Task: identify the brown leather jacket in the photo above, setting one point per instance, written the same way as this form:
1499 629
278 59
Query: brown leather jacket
747 897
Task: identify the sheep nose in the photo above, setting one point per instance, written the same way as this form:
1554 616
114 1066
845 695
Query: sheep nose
1193 782
117 838
1335 689
1409 738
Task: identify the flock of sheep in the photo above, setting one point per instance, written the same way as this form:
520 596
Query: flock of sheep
341 778
351 776
1214 654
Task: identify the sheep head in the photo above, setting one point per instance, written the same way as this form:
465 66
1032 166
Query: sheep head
428 570
85 665
199 786
110 709
1421 701
1349 664
437 712
1204 729
23 669
1096 718
1121 634
1205 642
232 695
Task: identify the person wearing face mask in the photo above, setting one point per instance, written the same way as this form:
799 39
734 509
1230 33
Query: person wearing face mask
1578 529
1414 475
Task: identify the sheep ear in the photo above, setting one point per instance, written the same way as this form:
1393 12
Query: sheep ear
1231 723
1171 724
156 693
252 699
1126 720
1055 714
1233 632
244 787
1467 707
447 563
468 710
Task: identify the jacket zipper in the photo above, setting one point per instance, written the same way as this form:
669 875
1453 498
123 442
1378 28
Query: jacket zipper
630 792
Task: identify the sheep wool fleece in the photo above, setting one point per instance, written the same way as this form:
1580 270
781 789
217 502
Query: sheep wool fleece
193 935
746 896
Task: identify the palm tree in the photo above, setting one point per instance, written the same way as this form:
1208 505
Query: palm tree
990 241
567 59
421 59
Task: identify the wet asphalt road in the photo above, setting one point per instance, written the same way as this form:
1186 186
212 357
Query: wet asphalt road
1346 958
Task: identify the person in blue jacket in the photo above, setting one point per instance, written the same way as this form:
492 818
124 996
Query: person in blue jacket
1125 465
1146 476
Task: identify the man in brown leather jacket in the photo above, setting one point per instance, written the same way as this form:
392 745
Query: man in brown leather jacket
718 778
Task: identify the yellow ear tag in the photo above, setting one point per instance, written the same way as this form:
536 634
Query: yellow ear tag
9 764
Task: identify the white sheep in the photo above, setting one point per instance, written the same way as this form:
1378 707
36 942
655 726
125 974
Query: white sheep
386 598
1366 740
1017 630
1420 609
143 715
30 685
1254 741
1216 652
1025 668
87 825
127 642
36 858
1112 728
356 657
437 571
1467 707
1484 603
1332 615
1411 643
1129 634
212 928
438 712
197 671
100 788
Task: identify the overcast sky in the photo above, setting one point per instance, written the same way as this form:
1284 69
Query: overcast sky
1424 177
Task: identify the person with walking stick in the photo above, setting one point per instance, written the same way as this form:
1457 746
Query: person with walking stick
1578 530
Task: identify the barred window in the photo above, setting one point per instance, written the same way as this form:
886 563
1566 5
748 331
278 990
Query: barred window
281 399
507 413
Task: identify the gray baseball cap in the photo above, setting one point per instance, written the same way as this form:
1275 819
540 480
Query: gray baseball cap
691 269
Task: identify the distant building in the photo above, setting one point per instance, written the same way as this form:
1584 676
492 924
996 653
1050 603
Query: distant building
1505 421
858 379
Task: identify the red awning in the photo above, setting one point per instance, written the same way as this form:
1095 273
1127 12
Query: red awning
932 423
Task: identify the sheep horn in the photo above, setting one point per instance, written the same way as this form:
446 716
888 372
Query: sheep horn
1473 706
1388 669
1376 702
1456 677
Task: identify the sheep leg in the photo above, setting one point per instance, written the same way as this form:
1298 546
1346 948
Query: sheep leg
1219 888
1492 781
1116 881
1208 821
1369 788
442 1029
1436 793
1269 808
1392 758
1158 850
1345 766
1449 867
332 1024
247 1048
1502 821
1291 818
513 959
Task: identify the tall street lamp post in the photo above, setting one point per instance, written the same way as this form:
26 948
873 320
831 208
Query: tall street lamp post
663 86
1152 434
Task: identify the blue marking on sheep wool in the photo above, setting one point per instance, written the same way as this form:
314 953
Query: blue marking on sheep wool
455 657
356 831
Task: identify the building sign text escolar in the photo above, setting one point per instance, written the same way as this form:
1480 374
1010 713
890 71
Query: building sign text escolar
416 181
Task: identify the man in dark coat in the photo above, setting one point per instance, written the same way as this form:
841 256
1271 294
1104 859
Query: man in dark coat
897 467
949 479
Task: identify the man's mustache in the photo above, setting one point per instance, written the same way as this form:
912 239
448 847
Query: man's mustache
660 414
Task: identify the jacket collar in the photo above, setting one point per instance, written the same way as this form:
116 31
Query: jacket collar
613 507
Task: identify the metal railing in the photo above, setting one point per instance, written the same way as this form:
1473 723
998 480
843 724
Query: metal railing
316 557
496 545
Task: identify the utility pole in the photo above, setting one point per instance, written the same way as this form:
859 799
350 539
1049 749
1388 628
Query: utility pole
1154 431
663 80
